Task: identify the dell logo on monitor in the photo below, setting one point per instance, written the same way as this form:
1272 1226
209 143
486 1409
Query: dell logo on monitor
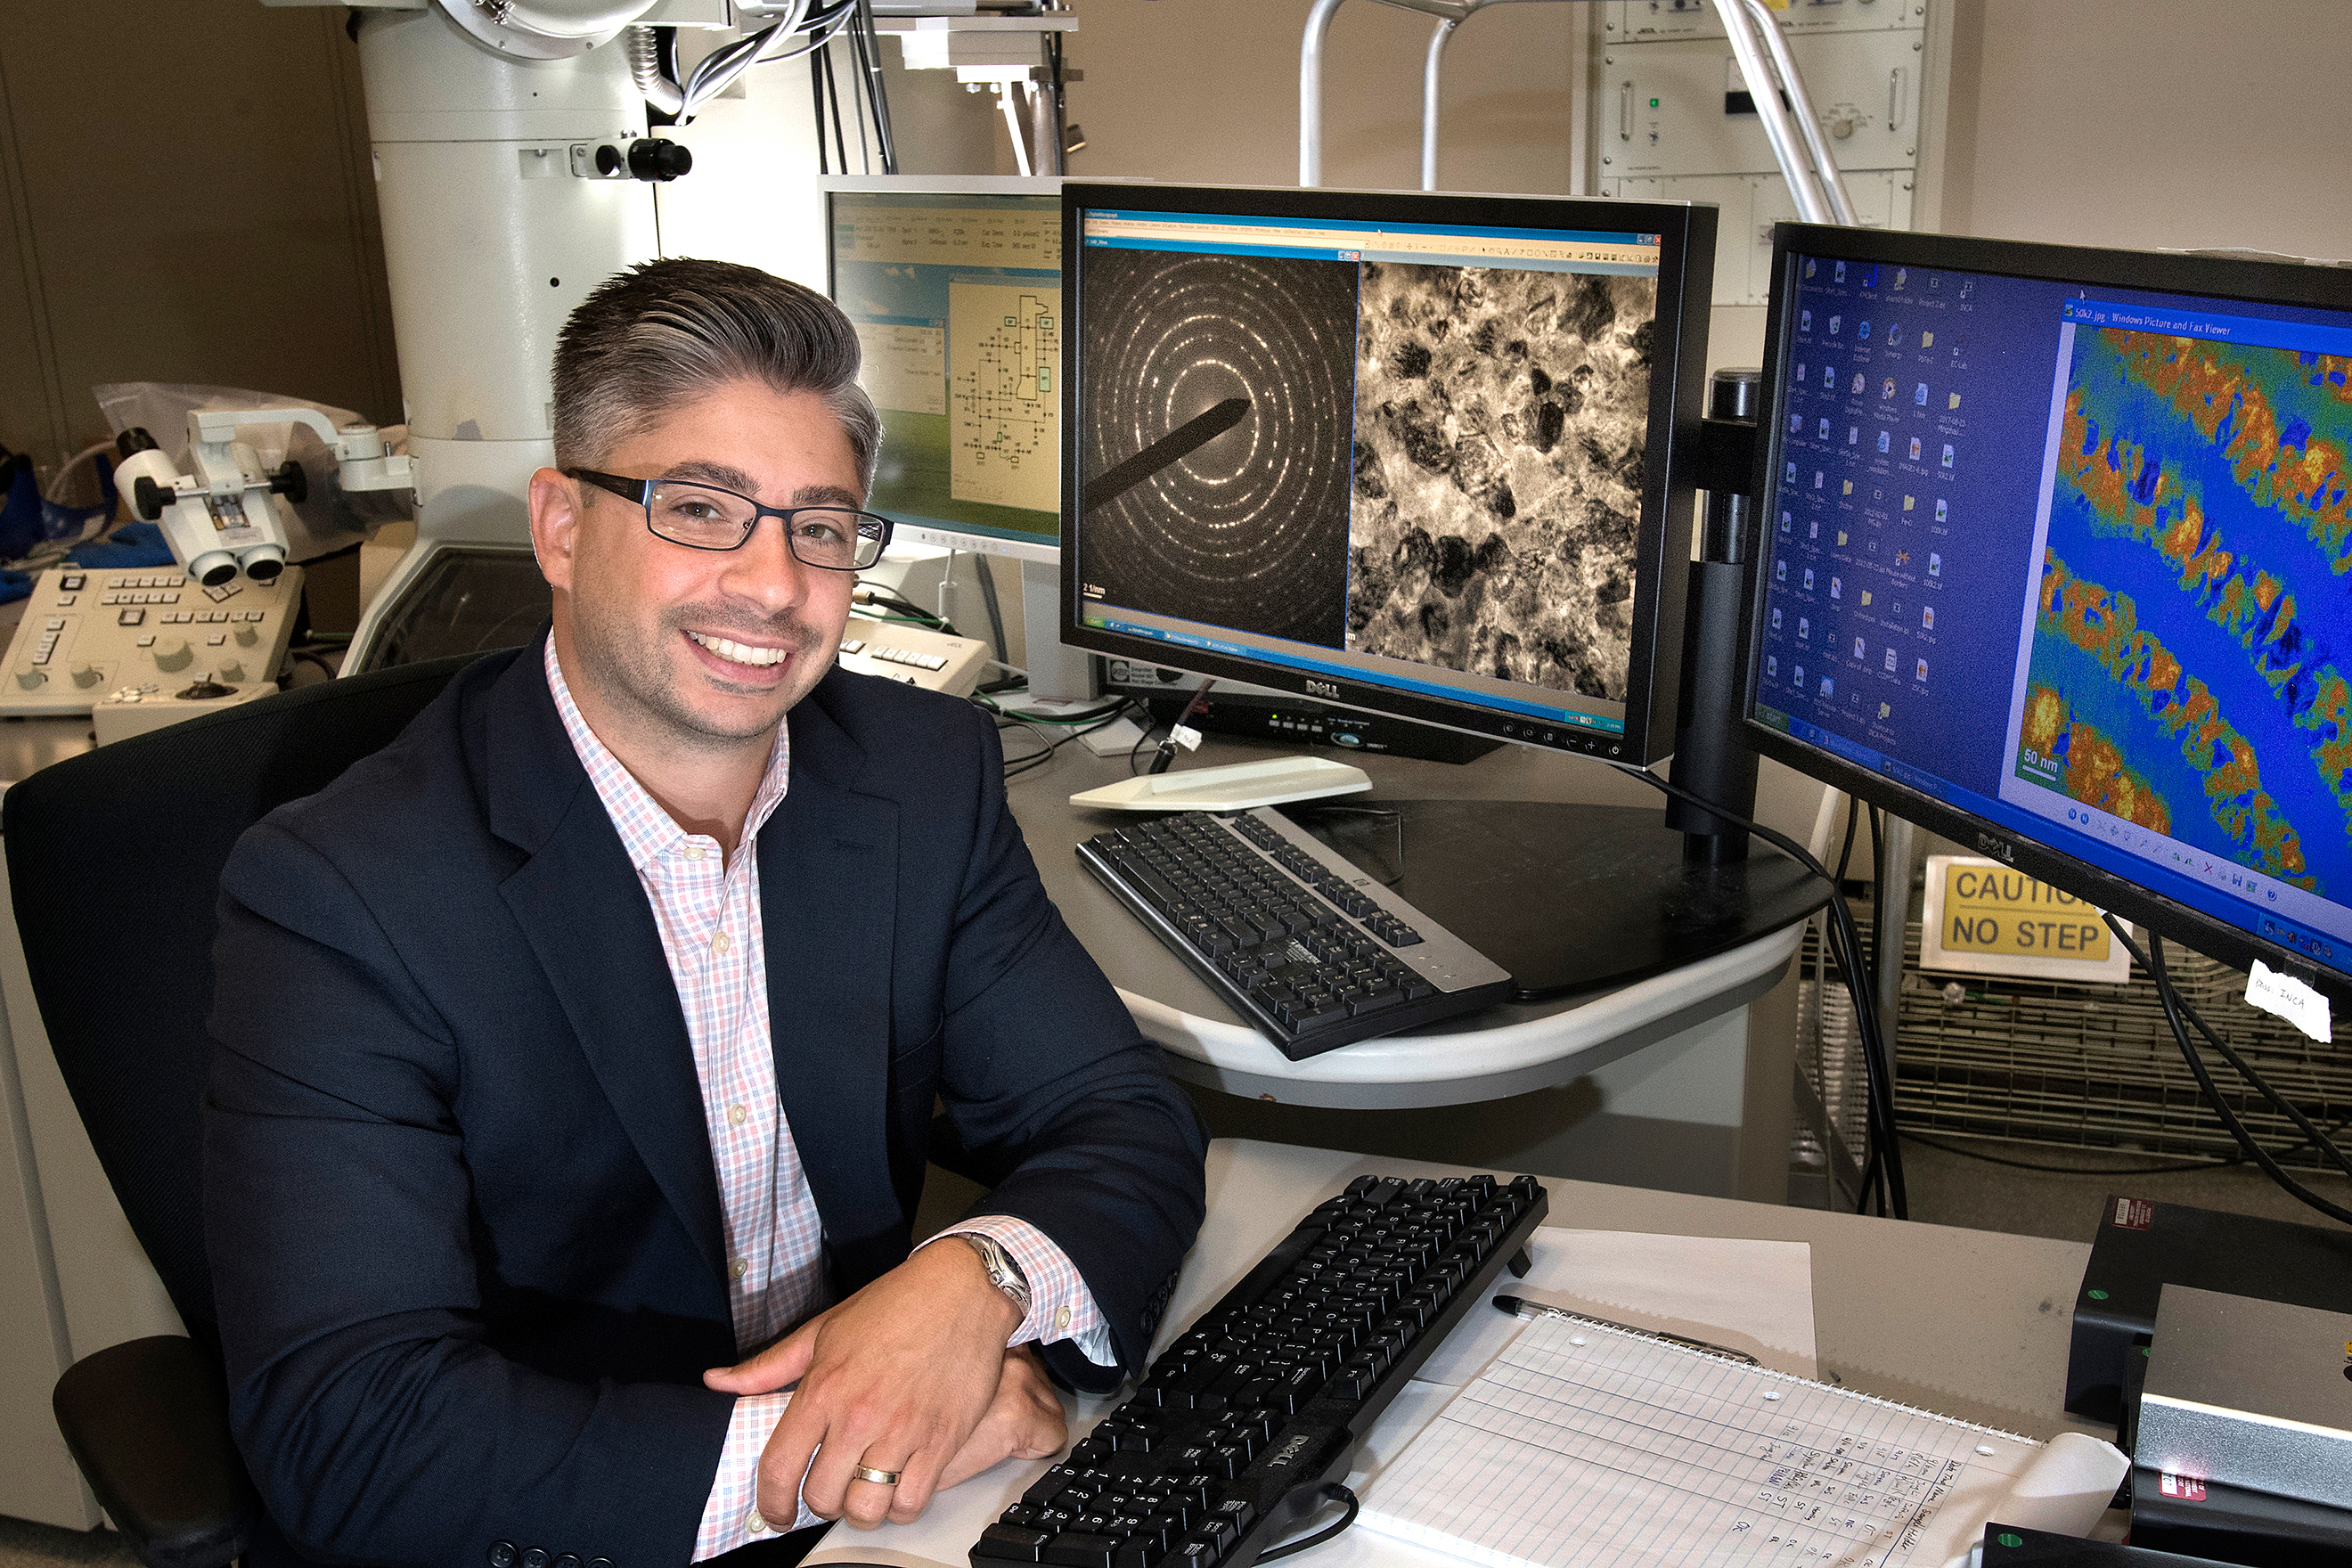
1323 688
1997 848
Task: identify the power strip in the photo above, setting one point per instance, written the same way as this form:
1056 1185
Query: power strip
87 633
915 655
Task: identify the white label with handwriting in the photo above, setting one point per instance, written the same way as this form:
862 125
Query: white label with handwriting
2285 996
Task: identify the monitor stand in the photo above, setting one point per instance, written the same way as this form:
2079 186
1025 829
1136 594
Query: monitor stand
1568 898
1070 677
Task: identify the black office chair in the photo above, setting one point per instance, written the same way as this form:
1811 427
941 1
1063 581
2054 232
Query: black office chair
114 861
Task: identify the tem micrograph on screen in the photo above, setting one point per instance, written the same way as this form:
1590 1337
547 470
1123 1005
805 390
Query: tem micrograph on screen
1213 450
2190 655
1500 419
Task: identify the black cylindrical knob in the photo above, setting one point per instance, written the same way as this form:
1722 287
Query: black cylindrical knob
288 480
134 439
609 160
149 499
651 158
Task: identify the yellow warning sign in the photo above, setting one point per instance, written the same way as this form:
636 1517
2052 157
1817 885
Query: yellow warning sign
1988 918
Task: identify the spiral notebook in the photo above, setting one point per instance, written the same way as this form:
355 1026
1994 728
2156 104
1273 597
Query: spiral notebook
1582 1446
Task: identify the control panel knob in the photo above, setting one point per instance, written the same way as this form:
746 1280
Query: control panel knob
173 655
232 669
32 679
247 635
87 674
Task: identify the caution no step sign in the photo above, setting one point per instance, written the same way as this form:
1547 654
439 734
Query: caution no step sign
1984 917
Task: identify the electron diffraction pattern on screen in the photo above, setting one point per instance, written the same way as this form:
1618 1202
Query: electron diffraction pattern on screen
1500 423
1214 446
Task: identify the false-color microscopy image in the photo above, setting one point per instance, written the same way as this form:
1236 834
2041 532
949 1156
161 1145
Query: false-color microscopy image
1500 417
1213 445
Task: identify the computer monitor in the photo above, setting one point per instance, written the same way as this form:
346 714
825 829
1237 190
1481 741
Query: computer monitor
1432 456
2054 565
955 287
1426 454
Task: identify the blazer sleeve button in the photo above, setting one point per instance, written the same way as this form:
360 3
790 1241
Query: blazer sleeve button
502 1554
600 1563
536 1557
568 1560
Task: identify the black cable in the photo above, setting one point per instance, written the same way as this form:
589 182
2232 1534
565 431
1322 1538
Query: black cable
833 104
1167 755
817 102
1845 850
2153 962
1039 758
2286 1108
1876 1072
2216 1164
1332 1492
1140 741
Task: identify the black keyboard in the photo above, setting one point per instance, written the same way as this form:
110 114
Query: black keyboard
1294 937
1221 1451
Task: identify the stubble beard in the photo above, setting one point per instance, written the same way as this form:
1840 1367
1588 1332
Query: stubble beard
636 668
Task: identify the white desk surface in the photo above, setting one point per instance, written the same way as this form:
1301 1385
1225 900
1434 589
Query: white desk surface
1963 1323
1504 1051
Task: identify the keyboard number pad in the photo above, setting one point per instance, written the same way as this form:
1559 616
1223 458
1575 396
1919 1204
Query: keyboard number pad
1167 1480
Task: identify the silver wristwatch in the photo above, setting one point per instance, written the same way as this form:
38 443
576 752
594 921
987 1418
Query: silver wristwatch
1003 1272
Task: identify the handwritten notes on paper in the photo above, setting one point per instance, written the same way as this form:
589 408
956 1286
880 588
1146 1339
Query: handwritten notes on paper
1580 1447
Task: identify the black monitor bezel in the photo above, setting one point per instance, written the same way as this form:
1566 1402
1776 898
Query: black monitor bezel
1678 358
2253 281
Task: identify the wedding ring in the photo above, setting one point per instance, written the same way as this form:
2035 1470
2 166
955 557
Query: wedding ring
879 1478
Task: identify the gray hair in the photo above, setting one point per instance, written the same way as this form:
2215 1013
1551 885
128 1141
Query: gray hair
664 332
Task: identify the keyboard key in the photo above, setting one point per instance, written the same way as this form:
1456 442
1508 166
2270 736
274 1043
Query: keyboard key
1081 1549
1013 1543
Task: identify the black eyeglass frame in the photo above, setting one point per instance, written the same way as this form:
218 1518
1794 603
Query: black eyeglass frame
641 492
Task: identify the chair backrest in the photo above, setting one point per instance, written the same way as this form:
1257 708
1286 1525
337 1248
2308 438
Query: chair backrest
114 864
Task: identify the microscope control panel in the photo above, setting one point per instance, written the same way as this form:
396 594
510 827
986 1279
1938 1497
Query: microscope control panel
87 633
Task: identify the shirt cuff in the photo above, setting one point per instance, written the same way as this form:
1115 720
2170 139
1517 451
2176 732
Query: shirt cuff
731 1518
1060 1305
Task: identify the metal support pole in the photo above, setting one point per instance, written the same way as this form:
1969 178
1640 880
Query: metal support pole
1044 129
1825 168
1310 91
1890 916
1430 70
1736 20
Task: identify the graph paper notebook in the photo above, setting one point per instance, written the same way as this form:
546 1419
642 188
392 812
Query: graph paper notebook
1580 1447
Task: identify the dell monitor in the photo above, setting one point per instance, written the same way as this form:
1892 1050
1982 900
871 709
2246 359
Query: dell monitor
2055 563
1431 457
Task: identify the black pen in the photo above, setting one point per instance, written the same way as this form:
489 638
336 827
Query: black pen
1513 1306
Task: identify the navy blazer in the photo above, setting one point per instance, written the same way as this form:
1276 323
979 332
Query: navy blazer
464 1227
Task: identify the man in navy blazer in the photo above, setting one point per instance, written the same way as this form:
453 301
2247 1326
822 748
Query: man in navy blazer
469 1245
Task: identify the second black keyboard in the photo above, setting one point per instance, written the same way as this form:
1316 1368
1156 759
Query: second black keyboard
1221 1451
1298 939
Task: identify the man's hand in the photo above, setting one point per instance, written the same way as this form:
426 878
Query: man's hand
898 1377
1025 1421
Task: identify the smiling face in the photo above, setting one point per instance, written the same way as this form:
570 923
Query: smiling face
669 649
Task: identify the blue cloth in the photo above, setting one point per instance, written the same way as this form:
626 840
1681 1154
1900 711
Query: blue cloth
20 514
131 545
15 585
465 1238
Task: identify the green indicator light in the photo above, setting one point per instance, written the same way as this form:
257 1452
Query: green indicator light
1654 103
2005 1539
2097 1295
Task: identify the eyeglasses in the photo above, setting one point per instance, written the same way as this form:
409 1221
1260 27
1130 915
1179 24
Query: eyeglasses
704 517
